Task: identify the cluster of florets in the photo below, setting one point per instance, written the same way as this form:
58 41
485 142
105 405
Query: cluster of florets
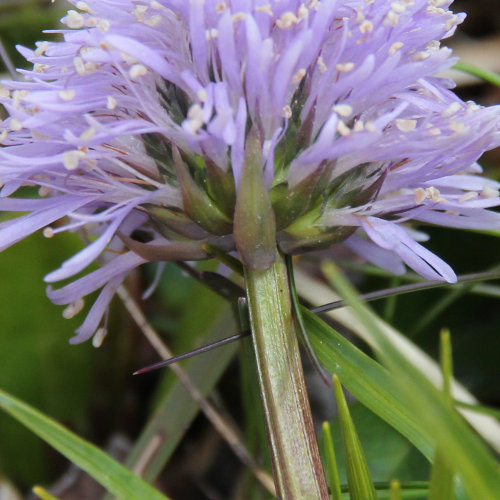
157 128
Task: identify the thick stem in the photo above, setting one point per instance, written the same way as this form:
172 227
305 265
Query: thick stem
298 471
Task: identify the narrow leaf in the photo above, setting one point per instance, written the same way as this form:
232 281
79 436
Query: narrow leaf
113 476
358 476
442 474
365 379
473 461
446 363
484 74
331 463
441 487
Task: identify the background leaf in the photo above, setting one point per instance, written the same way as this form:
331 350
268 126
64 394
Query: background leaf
34 342
113 476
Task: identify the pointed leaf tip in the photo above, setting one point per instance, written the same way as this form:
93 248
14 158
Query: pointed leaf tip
358 476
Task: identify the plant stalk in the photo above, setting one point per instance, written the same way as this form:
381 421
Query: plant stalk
298 471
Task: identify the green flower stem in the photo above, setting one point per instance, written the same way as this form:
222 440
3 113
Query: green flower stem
298 471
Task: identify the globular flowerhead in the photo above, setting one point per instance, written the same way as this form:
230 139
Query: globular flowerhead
158 127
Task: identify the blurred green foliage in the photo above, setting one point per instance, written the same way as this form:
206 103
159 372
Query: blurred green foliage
37 363
22 22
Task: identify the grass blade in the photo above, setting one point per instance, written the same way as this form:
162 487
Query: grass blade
442 471
331 463
316 292
366 379
474 463
484 74
113 476
358 476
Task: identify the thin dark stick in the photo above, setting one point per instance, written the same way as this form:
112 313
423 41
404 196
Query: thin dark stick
199 350
367 297
412 287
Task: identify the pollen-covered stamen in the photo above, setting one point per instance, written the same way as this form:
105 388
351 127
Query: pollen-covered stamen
287 111
73 309
74 20
431 193
48 232
366 27
84 7
71 159
489 192
44 191
394 48
220 7
99 337
111 102
343 129
345 67
344 110
297 78
88 134
266 9
137 70
67 94
470 195
15 125
194 118
406 125
287 20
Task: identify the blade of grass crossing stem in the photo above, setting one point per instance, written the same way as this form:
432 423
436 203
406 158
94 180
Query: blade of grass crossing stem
442 475
476 466
331 463
358 476
113 476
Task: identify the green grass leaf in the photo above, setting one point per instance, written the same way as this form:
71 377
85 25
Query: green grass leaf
484 74
366 379
358 476
113 476
331 463
442 487
474 463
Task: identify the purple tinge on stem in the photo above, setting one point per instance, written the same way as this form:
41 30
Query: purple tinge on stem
139 126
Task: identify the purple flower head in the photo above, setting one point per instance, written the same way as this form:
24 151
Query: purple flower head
157 127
